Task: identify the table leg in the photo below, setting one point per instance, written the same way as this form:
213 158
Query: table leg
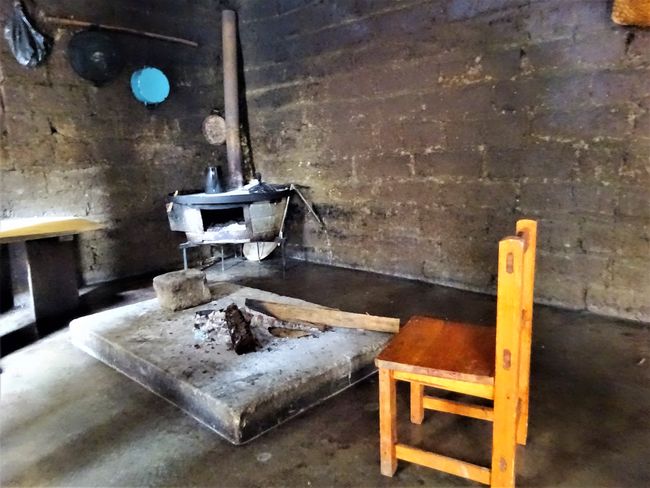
6 288
52 277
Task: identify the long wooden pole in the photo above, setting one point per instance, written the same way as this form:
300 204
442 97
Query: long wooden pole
324 316
231 98
117 28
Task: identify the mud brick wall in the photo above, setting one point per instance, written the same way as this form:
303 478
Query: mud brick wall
70 148
424 129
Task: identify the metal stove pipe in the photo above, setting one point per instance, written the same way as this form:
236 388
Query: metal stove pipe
231 98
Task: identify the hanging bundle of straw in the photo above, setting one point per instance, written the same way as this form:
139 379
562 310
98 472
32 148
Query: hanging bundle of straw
631 12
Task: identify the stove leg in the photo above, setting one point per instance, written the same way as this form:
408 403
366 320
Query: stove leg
222 265
184 249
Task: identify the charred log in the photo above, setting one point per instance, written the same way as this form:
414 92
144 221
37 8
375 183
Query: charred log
241 336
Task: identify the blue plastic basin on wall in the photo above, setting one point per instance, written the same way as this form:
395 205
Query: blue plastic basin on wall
149 85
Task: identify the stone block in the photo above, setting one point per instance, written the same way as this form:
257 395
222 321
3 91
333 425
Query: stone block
614 87
463 135
563 278
348 141
565 91
418 136
635 167
626 293
454 224
595 199
416 75
601 50
546 22
181 289
510 96
642 125
597 122
37 154
600 163
468 261
238 396
618 302
448 163
23 129
639 48
498 195
462 103
613 237
383 165
506 130
560 235
536 160
634 202
402 256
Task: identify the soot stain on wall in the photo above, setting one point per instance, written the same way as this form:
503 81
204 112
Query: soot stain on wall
70 148
423 130
433 125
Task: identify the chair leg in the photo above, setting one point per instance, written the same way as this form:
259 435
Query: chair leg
522 421
417 403
504 440
387 422
524 383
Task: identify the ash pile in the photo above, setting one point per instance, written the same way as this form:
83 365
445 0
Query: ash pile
246 331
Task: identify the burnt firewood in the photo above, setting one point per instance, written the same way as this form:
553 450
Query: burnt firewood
243 340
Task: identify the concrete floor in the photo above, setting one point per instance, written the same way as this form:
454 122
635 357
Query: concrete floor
68 420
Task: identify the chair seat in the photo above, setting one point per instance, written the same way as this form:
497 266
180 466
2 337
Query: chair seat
442 349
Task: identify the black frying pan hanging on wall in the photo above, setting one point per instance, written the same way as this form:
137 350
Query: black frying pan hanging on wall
95 56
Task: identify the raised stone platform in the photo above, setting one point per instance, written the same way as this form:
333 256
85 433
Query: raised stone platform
239 397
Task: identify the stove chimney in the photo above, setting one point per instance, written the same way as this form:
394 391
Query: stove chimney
231 98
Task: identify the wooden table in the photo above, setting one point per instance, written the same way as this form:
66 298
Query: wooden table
51 261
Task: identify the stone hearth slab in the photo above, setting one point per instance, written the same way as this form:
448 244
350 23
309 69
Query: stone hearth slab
239 397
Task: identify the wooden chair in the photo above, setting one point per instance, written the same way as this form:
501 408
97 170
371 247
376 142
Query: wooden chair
480 361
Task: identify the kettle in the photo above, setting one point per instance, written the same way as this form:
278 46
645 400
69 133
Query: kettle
212 177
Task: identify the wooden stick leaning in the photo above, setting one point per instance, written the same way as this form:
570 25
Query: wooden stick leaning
117 28
324 316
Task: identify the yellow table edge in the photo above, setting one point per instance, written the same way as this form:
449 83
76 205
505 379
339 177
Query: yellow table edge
15 230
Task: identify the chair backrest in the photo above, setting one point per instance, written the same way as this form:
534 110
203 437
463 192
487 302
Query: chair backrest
527 229
514 321
516 278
